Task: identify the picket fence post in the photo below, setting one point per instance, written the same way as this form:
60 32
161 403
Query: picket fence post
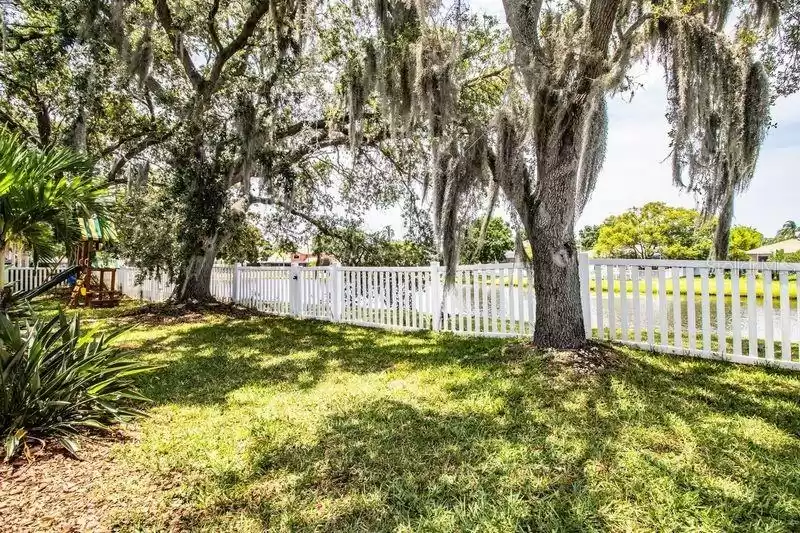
583 273
294 289
237 279
335 291
436 297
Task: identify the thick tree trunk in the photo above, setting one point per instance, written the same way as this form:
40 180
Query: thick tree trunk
194 283
201 187
559 315
722 235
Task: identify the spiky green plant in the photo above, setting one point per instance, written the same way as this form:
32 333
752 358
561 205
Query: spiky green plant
55 381
42 194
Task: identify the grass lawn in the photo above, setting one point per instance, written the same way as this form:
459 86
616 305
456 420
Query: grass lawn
276 424
712 286
682 286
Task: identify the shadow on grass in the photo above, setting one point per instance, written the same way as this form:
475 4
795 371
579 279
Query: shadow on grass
215 359
661 443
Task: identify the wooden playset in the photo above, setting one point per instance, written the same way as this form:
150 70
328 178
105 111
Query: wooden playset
94 286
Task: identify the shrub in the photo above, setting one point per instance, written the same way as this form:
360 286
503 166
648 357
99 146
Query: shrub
54 381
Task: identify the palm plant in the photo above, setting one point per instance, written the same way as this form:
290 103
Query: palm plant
42 192
789 230
55 381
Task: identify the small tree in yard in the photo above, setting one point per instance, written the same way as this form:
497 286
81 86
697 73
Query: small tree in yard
487 243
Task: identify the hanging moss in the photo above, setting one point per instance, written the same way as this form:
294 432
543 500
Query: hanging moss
356 97
141 61
592 153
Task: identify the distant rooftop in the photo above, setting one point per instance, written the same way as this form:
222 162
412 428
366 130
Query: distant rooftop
788 246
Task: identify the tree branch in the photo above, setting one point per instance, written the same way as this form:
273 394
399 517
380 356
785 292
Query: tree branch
111 148
15 126
523 19
299 126
140 147
259 10
492 74
322 226
211 24
178 47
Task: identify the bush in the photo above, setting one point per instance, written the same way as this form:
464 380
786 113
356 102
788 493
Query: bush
54 381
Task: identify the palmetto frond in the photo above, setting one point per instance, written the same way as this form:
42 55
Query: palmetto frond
42 193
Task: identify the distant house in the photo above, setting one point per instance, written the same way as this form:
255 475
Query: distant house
300 259
762 253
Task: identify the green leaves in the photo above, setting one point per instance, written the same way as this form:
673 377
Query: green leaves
42 193
55 381
655 230
491 247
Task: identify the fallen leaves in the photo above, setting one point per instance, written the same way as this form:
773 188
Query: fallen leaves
52 491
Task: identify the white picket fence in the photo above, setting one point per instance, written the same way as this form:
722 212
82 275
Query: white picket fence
674 308
28 278
756 321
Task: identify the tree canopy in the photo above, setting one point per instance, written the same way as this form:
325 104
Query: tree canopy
655 230
489 244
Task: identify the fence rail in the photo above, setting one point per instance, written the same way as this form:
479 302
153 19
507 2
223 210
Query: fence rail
741 312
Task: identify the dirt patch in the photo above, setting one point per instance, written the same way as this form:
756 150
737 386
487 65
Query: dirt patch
168 313
595 358
52 491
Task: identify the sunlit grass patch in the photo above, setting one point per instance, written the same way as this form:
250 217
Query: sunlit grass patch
288 425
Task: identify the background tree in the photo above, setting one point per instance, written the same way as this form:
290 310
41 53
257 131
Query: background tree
744 238
587 237
356 247
783 257
656 230
489 246
789 230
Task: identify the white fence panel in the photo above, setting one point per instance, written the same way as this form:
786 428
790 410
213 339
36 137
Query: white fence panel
488 300
391 297
28 278
741 312
265 289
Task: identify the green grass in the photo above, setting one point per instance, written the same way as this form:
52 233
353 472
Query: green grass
682 286
712 286
285 425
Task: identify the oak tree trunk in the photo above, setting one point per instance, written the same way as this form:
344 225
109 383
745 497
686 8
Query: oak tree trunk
559 315
201 187
194 283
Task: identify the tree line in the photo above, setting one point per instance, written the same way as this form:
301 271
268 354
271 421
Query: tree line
659 231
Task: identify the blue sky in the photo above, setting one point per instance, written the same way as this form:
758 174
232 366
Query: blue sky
635 171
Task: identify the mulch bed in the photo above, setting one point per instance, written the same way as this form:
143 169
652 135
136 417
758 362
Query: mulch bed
170 313
53 491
